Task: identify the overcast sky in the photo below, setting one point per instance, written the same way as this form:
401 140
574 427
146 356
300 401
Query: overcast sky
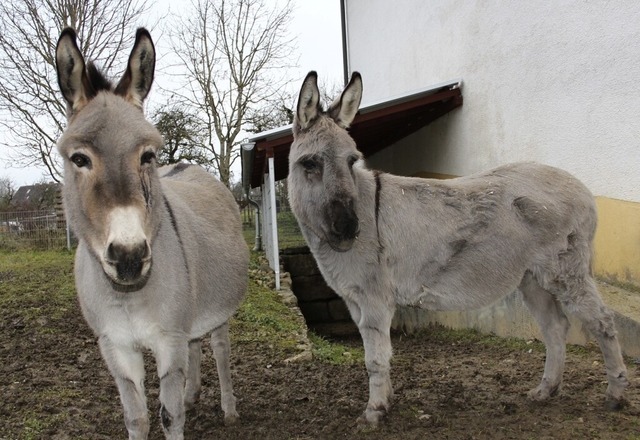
316 29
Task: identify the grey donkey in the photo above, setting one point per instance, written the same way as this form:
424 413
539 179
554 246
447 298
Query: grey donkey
161 260
382 240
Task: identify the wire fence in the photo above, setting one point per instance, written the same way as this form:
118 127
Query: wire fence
32 230
46 230
289 235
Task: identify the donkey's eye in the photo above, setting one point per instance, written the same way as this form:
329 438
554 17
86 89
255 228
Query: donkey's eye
80 160
147 157
310 165
352 161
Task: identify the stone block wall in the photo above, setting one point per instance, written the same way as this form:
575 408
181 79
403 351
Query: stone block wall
323 310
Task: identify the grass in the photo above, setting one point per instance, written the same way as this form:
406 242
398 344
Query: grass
36 291
289 234
37 285
263 318
333 353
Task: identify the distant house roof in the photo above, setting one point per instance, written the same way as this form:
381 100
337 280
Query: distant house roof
36 196
374 128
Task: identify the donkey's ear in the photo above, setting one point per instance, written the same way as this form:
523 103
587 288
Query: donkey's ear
344 109
308 102
136 82
72 75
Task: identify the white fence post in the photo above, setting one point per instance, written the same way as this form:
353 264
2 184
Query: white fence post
68 235
270 221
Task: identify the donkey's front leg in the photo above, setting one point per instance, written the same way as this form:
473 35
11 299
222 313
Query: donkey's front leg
127 368
194 382
374 323
172 362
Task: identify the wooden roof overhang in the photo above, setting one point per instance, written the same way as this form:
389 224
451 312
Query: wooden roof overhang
374 128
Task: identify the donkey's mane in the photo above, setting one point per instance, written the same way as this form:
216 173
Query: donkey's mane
97 79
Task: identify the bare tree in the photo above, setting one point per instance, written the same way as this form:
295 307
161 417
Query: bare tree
279 112
33 112
7 191
236 53
273 114
182 135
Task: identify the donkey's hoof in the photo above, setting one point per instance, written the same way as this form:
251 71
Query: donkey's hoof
365 425
371 417
190 400
231 419
543 392
190 404
538 395
612 404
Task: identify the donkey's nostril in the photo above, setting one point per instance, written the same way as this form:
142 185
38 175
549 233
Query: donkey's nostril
147 251
346 225
113 252
128 260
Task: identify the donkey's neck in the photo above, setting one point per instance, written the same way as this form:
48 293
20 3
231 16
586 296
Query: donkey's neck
343 270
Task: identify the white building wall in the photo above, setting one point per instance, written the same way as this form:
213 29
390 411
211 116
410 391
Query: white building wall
557 82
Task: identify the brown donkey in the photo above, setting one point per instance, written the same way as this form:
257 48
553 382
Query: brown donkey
161 260
382 240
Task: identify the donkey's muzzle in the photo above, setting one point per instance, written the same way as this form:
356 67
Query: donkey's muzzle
128 263
344 225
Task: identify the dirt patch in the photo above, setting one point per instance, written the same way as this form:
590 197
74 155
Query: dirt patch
55 386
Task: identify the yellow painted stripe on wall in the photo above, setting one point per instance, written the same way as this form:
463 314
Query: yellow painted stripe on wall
617 240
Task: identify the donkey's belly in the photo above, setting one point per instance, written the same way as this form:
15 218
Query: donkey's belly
441 300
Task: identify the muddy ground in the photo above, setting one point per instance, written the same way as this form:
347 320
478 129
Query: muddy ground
446 388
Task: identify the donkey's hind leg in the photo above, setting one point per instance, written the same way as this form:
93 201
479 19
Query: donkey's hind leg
194 384
221 352
583 299
554 325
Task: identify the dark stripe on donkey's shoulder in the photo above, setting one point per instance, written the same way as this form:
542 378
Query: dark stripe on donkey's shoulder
174 225
177 169
376 176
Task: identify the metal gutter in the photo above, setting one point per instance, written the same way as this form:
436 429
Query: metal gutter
274 133
247 155
345 43
388 102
